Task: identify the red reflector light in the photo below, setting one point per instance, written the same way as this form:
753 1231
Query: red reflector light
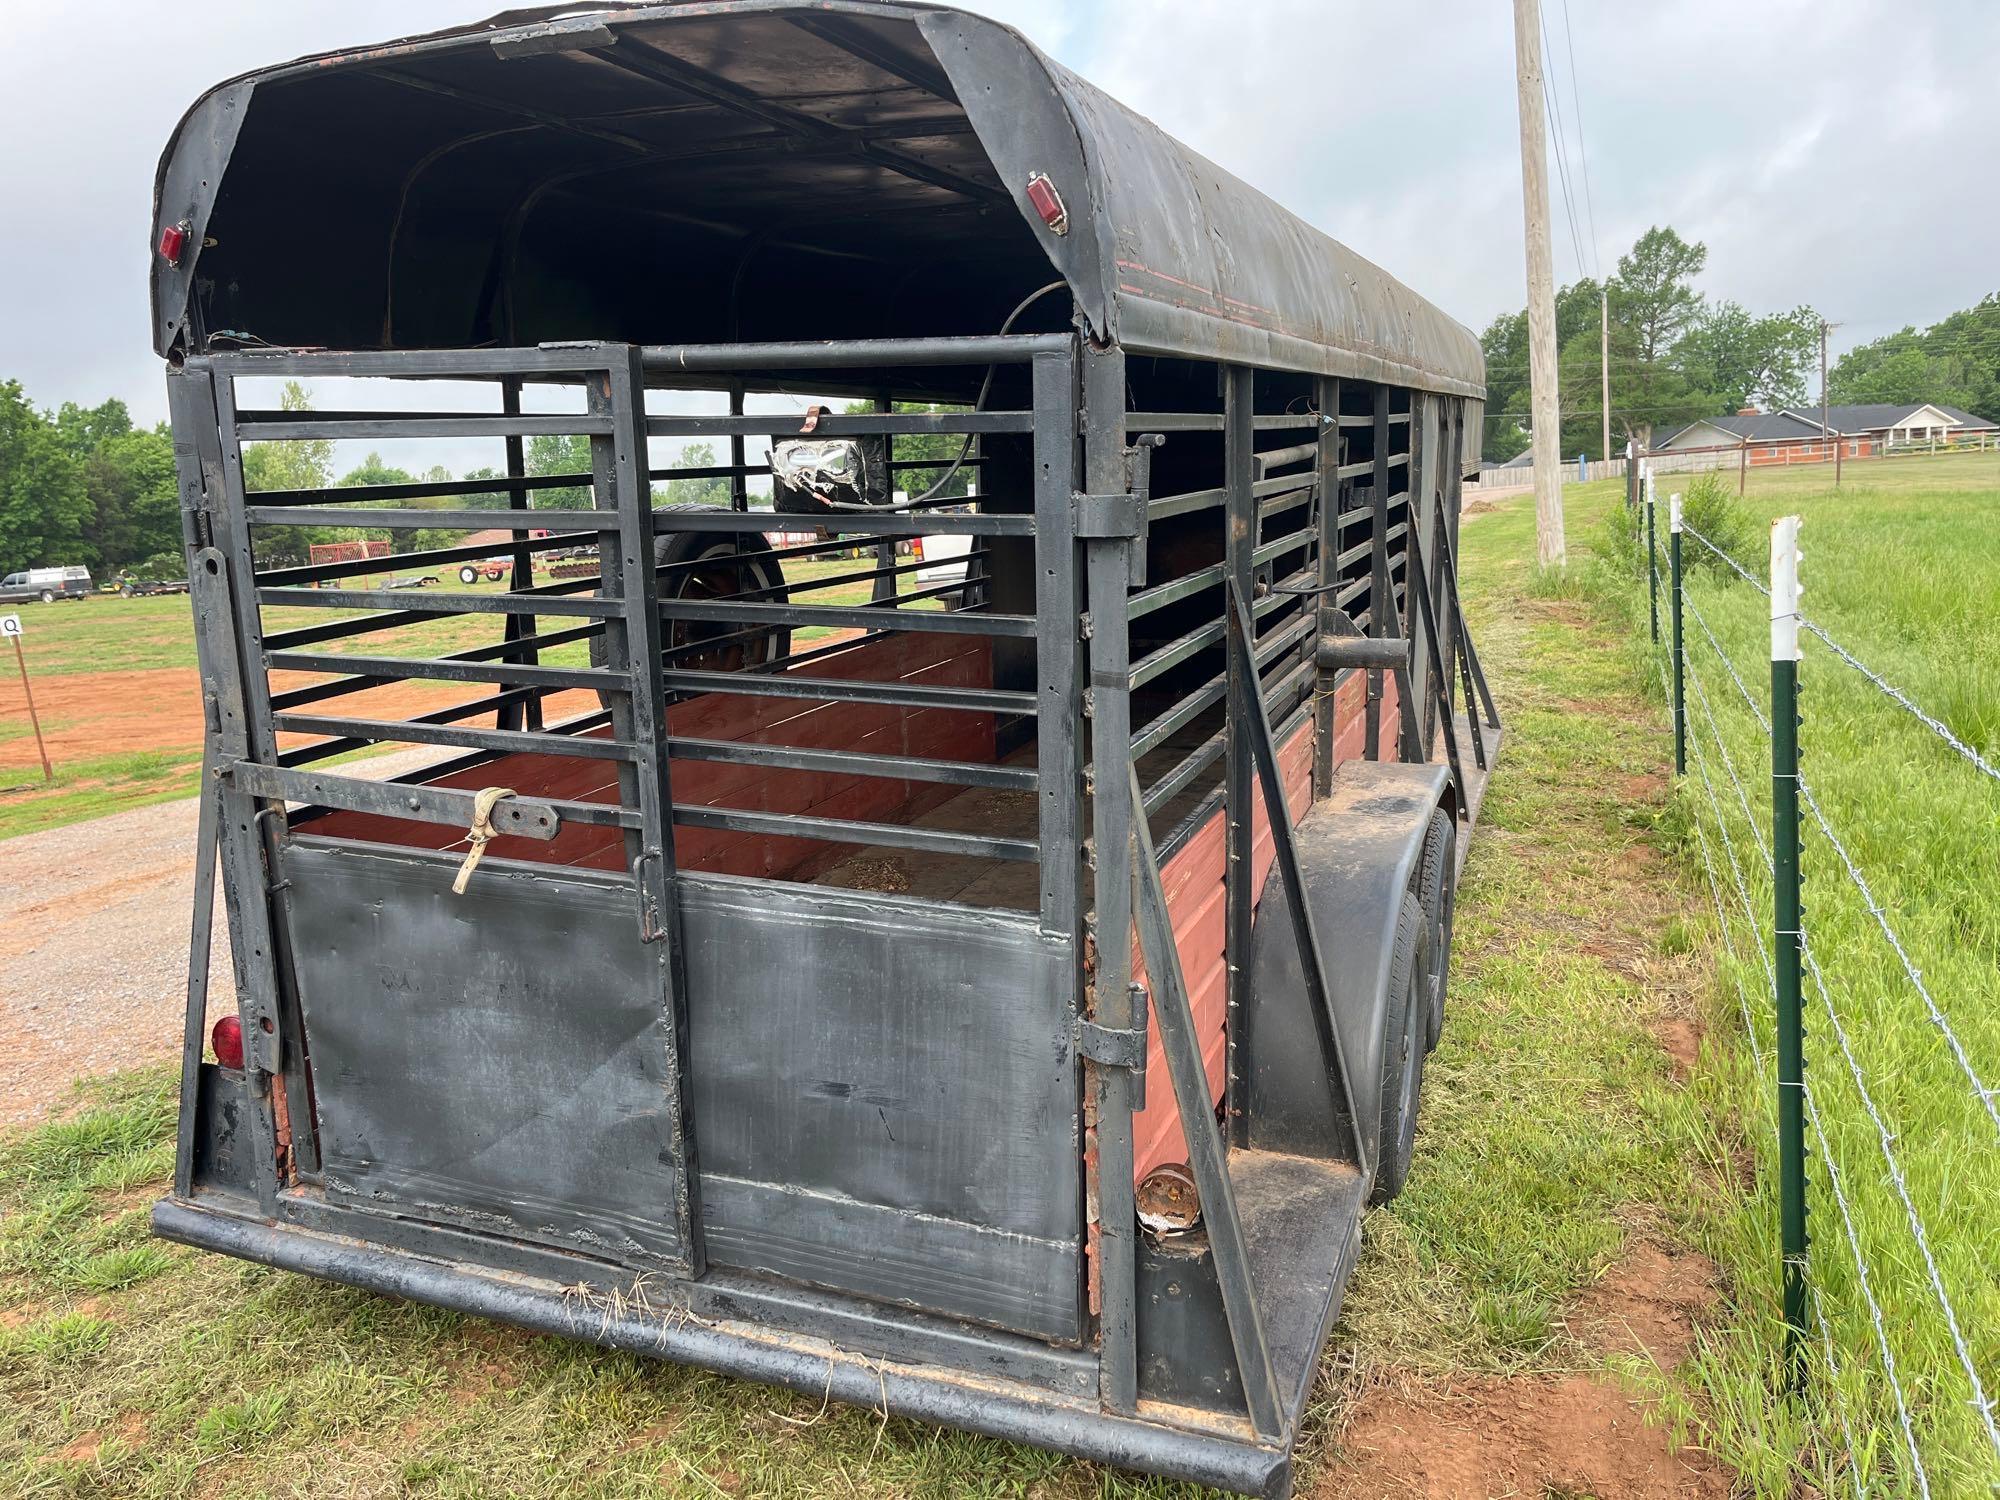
227 1039
1048 203
173 240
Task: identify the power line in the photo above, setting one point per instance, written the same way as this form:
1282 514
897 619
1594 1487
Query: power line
1549 93
1582 155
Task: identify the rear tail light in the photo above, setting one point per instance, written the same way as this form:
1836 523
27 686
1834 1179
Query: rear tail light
227 1040
1048 203
173 240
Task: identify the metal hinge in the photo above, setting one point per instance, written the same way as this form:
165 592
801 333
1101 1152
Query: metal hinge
1119 1046
1120 517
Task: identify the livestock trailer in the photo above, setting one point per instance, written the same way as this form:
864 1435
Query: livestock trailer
994 1001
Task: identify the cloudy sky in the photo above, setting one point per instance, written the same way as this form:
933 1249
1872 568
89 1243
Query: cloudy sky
1840 155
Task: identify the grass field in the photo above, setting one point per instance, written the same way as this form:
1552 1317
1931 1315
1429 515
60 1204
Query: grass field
1899 567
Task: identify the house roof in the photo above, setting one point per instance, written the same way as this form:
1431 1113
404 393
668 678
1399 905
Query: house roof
1759 427
1803 423
1874 416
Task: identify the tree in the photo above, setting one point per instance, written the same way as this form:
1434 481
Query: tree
134 497
558 453
1955 361
301 465
129 476
1742 360
712 490
44 505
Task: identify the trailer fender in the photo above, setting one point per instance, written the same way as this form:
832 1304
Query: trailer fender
1358 849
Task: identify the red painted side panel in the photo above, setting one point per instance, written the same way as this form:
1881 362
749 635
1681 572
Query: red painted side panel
1193 880
932 660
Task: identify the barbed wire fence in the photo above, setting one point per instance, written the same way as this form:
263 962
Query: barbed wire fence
1891 1312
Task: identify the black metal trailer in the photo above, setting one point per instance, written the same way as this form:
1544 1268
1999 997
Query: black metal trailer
751 978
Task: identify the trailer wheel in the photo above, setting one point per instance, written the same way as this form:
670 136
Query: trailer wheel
1436 895
712 565
1403 1024
468 574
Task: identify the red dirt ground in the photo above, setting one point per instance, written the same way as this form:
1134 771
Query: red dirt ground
88 716
1540 1435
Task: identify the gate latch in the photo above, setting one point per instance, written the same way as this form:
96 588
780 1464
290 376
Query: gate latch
1120 1046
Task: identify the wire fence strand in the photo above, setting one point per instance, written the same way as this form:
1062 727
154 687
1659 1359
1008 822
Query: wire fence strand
1709 768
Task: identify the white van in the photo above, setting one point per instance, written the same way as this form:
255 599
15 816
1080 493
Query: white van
45 584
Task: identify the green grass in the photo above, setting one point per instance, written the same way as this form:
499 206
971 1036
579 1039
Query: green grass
1900 568
1553 1132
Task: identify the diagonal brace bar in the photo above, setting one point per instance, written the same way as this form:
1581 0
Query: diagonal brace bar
1256 720
1175 1018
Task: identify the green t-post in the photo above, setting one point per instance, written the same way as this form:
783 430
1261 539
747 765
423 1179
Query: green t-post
1674 584
1786 939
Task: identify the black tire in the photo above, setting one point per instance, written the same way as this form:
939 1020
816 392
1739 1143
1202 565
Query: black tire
467 573
737 562
1402 1053
1436 893
47 596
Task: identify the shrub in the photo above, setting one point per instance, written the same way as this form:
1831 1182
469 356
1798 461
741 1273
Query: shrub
1707 506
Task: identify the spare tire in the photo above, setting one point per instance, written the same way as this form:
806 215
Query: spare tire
1403 1025
699 565
1436 892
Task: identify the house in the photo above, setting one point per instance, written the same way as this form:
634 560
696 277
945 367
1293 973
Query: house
1793 435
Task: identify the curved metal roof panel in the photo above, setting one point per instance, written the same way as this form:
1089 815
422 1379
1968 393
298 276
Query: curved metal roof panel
1164 251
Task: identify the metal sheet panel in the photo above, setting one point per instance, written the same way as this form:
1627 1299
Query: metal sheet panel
496 1060
884 1098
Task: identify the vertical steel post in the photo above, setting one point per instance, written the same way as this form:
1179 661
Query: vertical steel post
1108 571
1674 585
1785 937
1326 554
1239 449
1652 572
523 710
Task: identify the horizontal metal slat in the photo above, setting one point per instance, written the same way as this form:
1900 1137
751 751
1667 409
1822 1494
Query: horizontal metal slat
1184 771
371 428
535 818
505 741
1147 600
1174 652
555 522
492 702
845 831
554 600
850 690
939 622
852 523
448 669
977 349
548 359
832 425
1163 506
858 763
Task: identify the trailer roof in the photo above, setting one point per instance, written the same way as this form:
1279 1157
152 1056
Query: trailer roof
724 169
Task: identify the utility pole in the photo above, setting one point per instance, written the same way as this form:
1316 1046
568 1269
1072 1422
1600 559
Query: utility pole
1604 360
1547 421
1824 328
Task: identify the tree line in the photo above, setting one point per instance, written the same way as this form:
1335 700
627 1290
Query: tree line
1955 361
1676 355
83 485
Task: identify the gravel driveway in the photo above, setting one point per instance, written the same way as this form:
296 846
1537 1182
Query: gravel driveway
94 947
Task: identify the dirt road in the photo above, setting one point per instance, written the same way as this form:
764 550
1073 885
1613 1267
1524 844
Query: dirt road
94 947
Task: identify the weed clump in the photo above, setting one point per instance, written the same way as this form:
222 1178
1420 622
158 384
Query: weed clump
1707 507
